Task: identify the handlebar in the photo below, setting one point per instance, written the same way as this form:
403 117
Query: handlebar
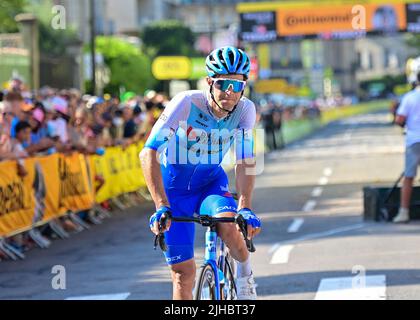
206 221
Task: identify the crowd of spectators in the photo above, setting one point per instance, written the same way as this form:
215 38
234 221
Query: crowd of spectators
65 121
54 120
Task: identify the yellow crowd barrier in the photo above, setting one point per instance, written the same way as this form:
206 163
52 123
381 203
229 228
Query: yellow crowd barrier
59 183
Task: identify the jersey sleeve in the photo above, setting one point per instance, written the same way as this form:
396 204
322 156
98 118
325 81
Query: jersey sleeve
404 106
244 134
166 126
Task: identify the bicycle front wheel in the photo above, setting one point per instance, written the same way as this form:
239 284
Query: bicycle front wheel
206 284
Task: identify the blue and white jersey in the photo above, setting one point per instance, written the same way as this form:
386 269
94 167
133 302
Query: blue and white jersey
192 141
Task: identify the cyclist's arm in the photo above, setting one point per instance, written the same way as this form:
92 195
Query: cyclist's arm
153 176
245 157
403 111
162 132
245 182
400 120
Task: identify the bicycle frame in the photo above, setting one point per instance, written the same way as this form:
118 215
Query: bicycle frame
210 257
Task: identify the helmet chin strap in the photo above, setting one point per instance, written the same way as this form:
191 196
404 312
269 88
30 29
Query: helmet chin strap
214 100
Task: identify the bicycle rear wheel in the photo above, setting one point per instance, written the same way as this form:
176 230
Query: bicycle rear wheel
206 284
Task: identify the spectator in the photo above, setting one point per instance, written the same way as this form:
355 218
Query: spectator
57 125
105 138
39 128
7 117
271 116
130 127
149 119
22 140
39 140
79 131
117 130
14 102
16 84
408 114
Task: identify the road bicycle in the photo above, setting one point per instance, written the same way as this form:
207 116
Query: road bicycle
216 277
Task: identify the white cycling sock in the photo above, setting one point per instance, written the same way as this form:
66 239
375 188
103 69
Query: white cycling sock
403 211
243 268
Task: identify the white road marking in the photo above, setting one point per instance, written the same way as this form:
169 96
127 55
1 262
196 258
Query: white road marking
323 181
309 206
349 288
327 172
281 255
347 136
316 192
313 236
295 226
112 296
330 232
273 248
273 156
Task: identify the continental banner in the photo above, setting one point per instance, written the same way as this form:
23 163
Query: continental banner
17 201
323 18
268 21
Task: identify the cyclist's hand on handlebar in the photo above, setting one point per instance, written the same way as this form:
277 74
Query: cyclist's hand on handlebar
253 222
160 221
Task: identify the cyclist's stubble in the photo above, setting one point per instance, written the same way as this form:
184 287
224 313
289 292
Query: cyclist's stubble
226 99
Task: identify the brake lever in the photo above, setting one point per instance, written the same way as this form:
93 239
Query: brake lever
243 226
156 242
160 238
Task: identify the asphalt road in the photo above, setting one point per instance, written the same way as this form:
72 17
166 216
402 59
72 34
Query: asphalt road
314 243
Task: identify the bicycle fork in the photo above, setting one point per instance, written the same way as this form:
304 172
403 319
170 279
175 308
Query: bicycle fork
210 258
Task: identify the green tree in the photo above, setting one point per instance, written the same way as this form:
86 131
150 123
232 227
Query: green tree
130 68
168 37
54 42
8 10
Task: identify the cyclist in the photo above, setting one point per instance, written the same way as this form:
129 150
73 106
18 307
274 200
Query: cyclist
190 138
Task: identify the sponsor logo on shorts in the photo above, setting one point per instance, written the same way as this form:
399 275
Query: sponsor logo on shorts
226 208
172 259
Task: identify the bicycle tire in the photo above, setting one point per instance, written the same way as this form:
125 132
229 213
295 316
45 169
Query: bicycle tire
229 274
206 277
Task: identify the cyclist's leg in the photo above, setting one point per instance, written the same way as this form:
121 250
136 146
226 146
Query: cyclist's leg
180 243
183 276
217 201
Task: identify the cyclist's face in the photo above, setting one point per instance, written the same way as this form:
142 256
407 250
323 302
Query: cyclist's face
226 99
